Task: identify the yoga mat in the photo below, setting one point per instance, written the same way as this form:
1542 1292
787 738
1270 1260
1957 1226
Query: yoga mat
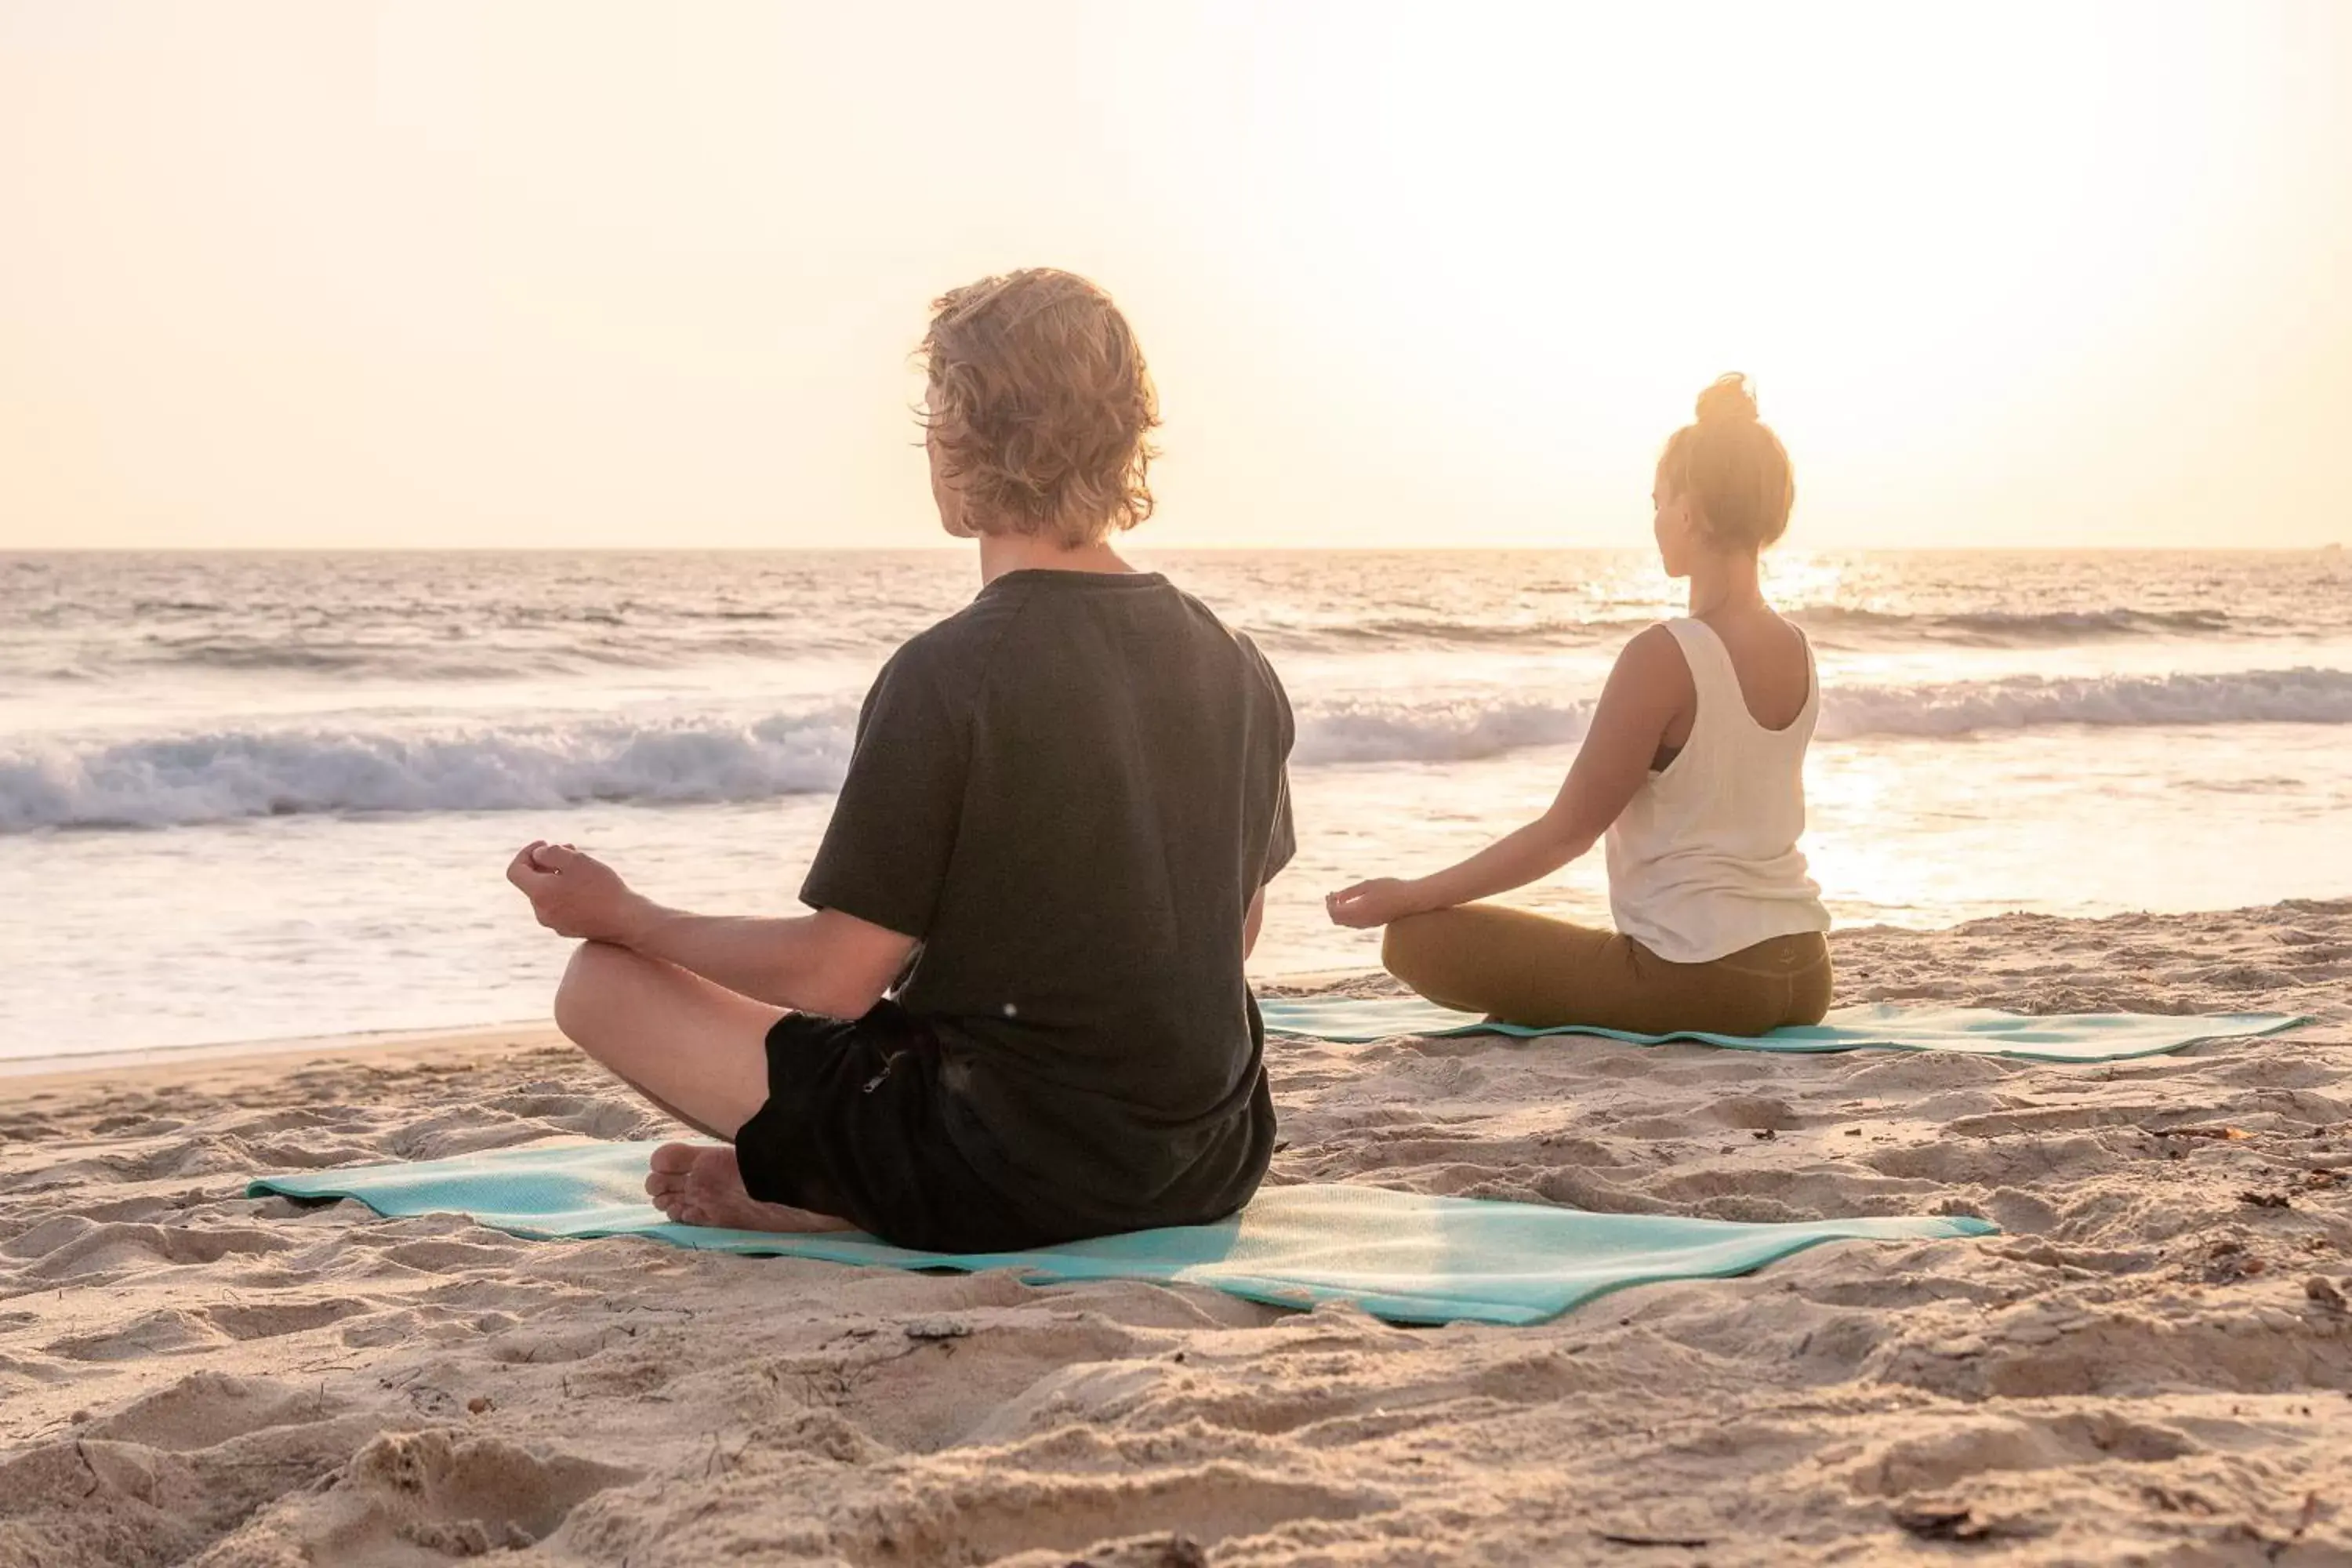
1405 1256
1876 1026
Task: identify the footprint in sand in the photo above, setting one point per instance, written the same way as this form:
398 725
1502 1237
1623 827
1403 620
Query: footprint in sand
439 1489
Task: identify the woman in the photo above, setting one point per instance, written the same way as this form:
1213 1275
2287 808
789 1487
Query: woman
1693 769
1016 1016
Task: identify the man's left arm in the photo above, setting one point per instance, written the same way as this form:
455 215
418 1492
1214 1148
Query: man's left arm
827 963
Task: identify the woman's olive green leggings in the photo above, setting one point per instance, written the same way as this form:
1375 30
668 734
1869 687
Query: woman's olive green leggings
1522 968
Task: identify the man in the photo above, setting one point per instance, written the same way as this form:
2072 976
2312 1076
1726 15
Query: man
1017 1014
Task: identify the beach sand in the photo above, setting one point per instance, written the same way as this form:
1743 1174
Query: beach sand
2154 1364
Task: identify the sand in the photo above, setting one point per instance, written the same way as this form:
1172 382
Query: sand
2151 1365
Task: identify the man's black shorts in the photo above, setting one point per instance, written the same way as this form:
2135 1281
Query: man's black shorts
853 1127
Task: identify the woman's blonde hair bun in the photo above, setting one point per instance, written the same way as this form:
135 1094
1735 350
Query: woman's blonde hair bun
1727 399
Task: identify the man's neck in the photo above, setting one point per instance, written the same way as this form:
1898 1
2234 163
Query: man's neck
1002 553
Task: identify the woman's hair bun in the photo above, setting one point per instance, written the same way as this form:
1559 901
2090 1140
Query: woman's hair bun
1727 400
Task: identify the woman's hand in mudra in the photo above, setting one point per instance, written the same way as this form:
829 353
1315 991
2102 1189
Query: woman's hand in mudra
1372 903
575 895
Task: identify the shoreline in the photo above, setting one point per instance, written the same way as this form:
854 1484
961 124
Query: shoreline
168 1064
161 1062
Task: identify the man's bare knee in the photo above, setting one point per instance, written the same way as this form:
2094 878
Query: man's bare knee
586 992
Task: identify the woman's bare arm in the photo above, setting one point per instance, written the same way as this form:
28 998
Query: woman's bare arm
1649 685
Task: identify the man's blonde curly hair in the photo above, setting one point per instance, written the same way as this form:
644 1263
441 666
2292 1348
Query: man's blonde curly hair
1041 405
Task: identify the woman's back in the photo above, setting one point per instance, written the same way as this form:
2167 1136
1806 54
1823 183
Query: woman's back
1773 662
1703 860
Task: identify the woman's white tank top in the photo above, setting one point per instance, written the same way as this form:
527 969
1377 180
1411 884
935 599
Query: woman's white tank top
1704 861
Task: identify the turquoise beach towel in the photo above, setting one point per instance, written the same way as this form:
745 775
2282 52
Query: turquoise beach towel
1405 1256
1879 1025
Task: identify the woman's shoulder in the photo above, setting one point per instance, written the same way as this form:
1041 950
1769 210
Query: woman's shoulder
1657 653
1777 637
1652 675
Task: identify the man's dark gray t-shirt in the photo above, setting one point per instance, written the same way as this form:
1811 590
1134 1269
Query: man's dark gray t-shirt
1070 792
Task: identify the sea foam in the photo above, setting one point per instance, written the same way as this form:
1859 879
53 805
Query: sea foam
164 781
167 782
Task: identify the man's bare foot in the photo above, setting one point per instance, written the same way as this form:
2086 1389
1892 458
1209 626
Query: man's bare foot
696 1184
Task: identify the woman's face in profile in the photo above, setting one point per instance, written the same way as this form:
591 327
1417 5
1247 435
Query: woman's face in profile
1670 524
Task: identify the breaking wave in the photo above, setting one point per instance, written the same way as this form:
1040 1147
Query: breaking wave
169 781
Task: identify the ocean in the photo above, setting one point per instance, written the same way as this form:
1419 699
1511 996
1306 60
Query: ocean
257 796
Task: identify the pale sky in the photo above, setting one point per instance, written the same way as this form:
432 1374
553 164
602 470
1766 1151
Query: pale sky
323 273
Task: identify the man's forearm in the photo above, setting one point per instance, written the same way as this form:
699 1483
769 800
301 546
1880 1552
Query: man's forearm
769 960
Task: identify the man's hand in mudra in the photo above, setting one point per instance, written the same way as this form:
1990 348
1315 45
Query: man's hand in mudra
577 895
